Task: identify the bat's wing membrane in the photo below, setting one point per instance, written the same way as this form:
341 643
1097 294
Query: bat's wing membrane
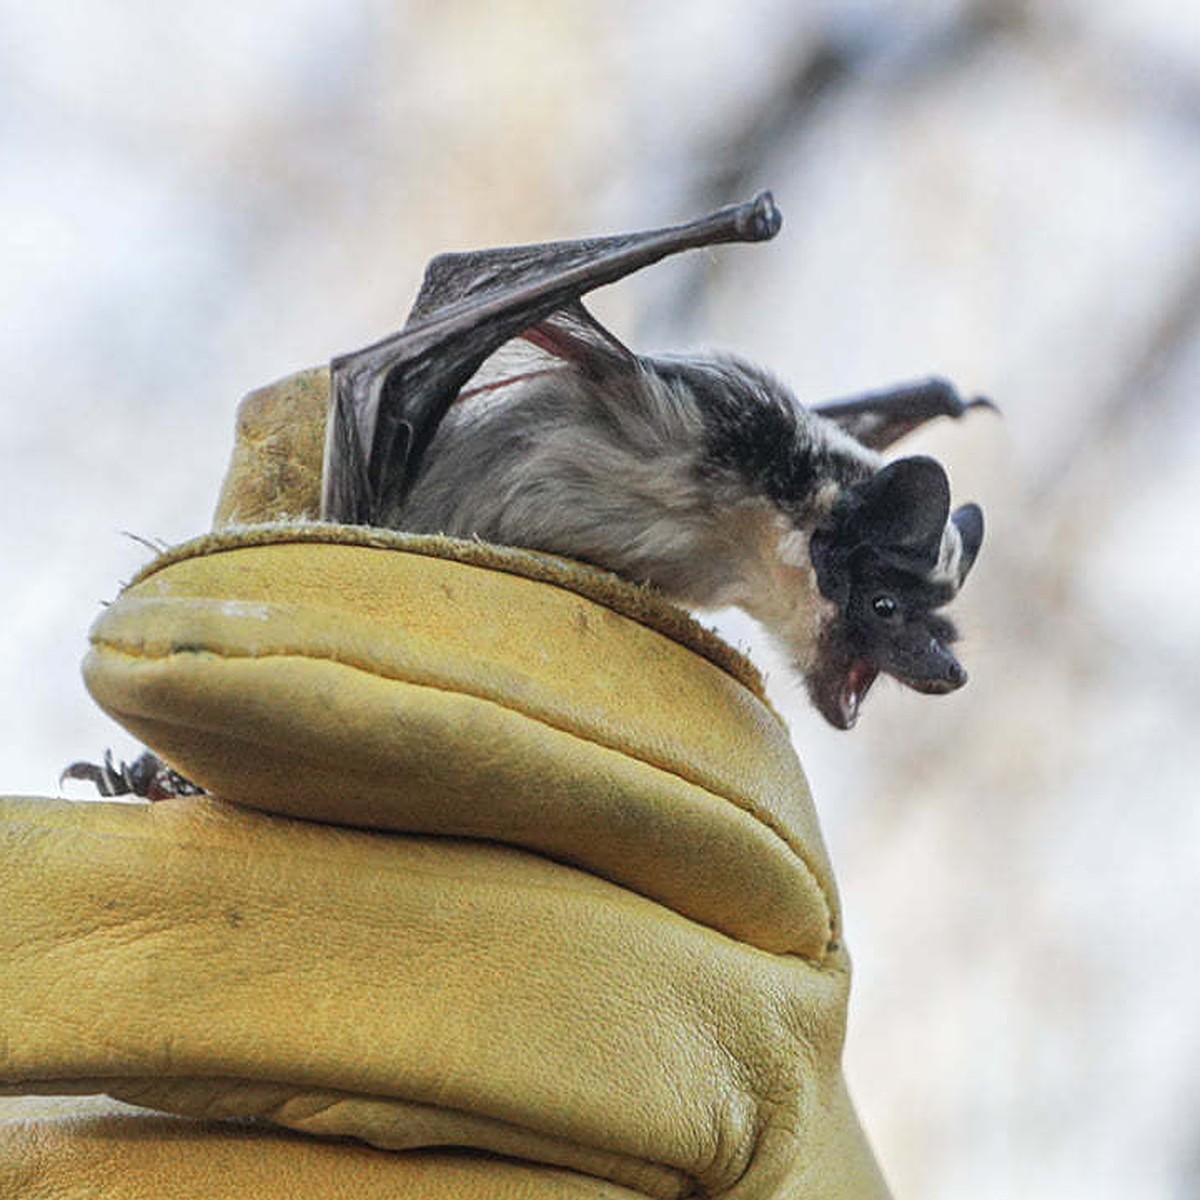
388 399
569 339
573 335
879 418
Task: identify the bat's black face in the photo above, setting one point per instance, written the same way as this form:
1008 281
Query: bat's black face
889 625
890 558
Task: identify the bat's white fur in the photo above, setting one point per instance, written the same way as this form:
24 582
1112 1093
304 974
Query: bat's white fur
949 564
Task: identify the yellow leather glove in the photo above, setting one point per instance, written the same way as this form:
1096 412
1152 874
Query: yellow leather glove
556 920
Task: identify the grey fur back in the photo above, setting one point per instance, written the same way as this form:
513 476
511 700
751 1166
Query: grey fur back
634 471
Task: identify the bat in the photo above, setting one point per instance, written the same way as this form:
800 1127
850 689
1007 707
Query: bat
503 410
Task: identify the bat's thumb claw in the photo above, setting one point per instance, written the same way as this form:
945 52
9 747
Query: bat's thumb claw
982 402
85 771
759 220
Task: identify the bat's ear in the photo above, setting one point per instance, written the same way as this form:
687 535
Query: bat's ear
903 509
968 520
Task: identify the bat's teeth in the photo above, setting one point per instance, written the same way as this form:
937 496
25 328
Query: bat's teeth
858 683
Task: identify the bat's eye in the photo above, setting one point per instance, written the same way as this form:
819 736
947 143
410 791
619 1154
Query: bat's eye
885 607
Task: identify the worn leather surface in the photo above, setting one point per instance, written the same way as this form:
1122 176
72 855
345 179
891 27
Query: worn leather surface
508 888
275 471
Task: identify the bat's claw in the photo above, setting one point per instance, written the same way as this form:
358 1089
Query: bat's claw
981 402
108 778
944 399
147 777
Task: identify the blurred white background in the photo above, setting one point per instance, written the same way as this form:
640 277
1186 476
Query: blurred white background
200 197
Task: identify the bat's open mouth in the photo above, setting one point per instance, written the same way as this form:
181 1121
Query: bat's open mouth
838 682
854 689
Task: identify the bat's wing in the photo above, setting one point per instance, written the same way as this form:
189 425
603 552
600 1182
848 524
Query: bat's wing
877 419
388 399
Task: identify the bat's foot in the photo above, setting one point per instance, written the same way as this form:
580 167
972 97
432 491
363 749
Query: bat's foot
147 777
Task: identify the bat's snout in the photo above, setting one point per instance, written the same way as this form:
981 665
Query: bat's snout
937 673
